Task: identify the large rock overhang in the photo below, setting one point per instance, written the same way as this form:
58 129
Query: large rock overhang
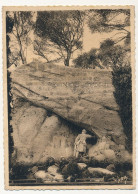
82 96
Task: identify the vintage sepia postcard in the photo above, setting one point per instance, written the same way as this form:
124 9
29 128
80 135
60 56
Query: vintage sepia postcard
69 97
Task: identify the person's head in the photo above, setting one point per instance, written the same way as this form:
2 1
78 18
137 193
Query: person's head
83 131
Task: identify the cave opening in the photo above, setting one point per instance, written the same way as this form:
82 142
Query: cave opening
78 130
75 127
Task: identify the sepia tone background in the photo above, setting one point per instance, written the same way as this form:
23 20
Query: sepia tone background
51 68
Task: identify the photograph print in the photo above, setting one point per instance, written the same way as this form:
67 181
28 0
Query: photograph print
69 97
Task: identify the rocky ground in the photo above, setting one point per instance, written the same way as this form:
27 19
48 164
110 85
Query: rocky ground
82 169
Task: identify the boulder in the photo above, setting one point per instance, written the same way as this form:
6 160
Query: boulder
82 166
109 154
36 141
102 151
129 173
40 174
69 179
34 169
99 157
84 97
86 174
52 170
100 171
53 178
125 156
99 147
59 177
42 143
48 178
111 167
65 170
25 131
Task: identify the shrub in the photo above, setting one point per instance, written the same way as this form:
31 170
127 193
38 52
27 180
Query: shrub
123 167
95 163
49 162
123 95
19 171
72 170
88 60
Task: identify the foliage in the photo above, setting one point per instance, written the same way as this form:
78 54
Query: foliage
95 163
71 170
122 167
119 58
22 25
19 171
116 55
49 162
107 20
43 48
9 27
63 28
88 60
123 95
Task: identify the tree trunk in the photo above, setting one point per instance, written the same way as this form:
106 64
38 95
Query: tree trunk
19 39
66 62
21 52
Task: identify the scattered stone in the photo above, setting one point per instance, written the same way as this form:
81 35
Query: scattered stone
86 173
82 166
126 156
53 178
48 178
40 174
53 169
65 169
34 169
111 167
59 177
100 170
69 178
129 174
99 157
109 154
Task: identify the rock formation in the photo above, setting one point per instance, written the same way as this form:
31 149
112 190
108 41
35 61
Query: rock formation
46 98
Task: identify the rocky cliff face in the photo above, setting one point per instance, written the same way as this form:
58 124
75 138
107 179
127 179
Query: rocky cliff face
38 136
82 97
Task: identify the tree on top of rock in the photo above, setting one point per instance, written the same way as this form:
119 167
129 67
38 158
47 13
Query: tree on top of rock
63 28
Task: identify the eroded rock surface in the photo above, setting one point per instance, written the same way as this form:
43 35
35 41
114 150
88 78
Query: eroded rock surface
38 136
83 97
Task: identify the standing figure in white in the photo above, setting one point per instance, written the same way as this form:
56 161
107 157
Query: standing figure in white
80 145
